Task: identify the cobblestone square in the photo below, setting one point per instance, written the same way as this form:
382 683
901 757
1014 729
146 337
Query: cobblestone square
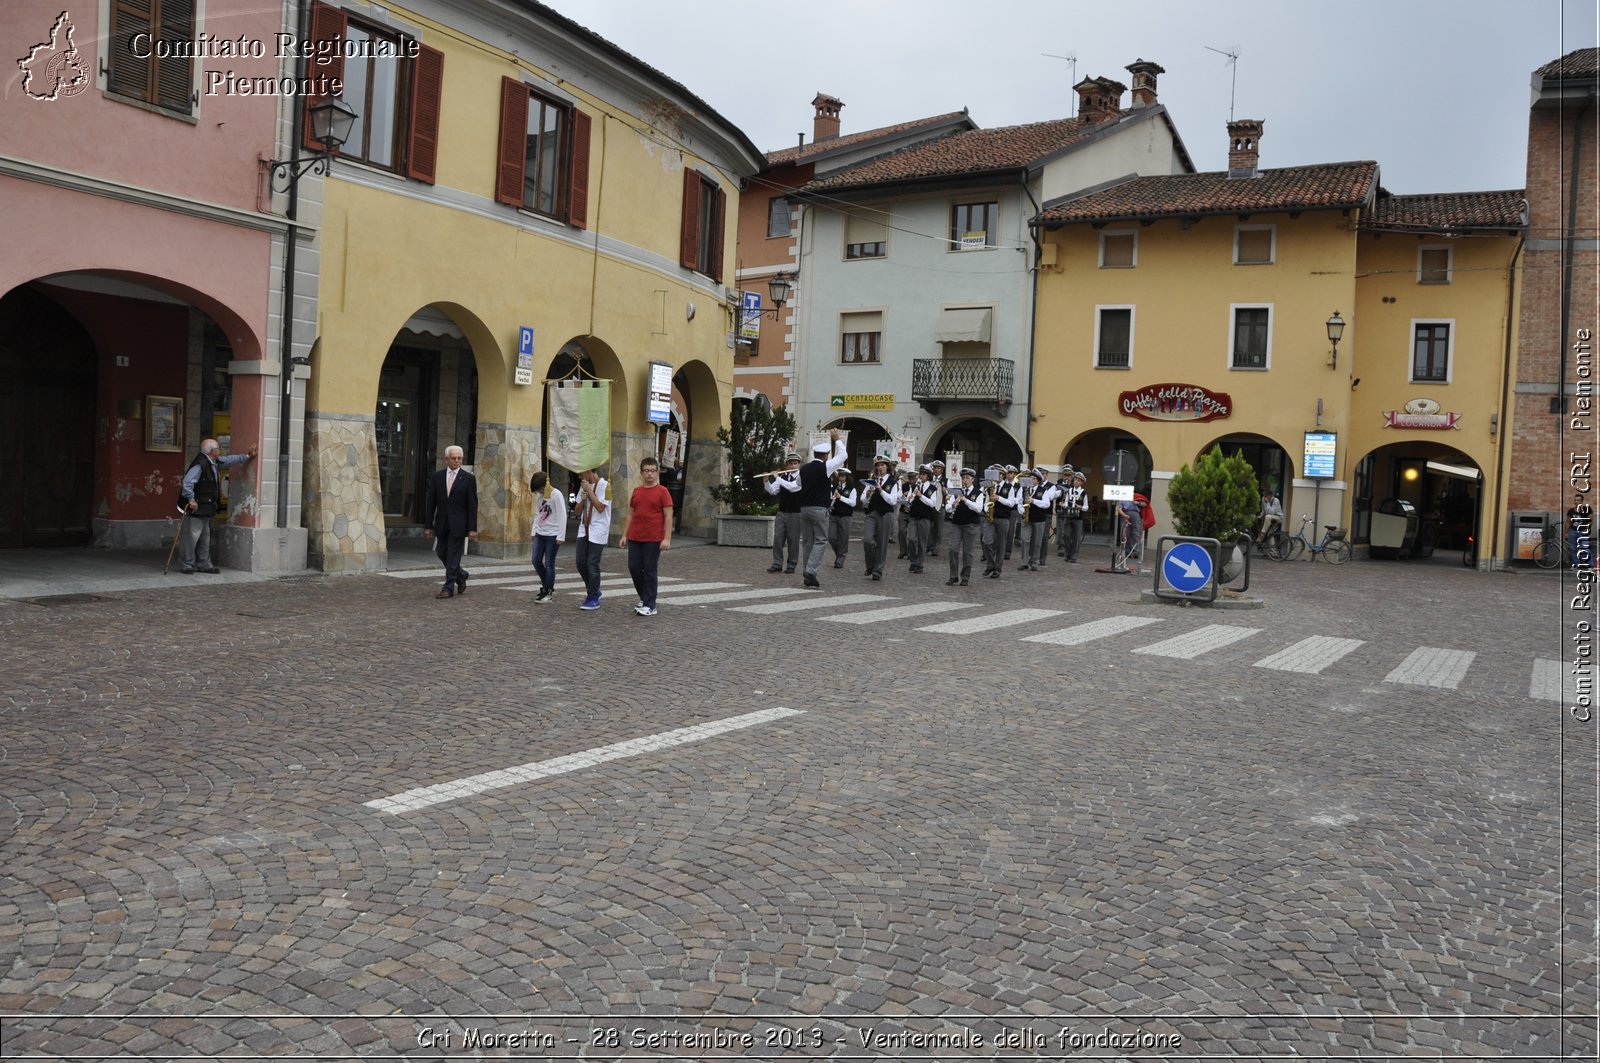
333 817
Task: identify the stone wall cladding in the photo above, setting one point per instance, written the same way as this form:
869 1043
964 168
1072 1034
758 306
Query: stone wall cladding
343 504
506 457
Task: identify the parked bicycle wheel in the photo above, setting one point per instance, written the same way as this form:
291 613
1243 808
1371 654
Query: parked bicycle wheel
1469 556
1292 549
1548 553
1337 552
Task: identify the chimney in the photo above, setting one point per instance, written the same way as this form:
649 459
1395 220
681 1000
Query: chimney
1144 82
1099 99
825 126
1244 147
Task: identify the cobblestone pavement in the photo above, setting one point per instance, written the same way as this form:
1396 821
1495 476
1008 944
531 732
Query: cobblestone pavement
334 816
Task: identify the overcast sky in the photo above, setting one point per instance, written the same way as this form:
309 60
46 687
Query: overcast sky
1435 90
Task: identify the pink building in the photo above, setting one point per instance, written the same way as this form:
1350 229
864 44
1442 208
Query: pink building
137 305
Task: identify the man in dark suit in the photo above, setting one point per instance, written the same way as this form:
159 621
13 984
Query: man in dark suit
451 518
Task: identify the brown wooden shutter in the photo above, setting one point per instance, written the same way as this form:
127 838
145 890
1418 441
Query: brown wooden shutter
427 86
327 24
513 141
716 235
578 180
126 74
174 80
689 236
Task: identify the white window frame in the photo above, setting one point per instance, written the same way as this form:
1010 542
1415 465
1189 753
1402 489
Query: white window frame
1233 317
788 230
841 332
1272 244
1133 323
844 234
1449 352
1120 232
1449 262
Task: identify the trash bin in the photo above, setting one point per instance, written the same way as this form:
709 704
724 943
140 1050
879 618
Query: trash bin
1528 530
1395 525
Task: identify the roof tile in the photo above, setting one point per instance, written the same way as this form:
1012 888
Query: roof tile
1327 186
801 153
1436 212
1577 65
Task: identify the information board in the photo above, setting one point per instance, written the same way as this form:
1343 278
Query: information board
660 411
1321 454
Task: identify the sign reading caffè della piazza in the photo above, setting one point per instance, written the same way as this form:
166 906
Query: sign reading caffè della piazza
1175 402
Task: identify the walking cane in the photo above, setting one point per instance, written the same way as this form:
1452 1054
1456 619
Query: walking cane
175 535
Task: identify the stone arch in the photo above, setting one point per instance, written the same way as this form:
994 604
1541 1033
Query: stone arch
1421 472
700 463
863 431
992 439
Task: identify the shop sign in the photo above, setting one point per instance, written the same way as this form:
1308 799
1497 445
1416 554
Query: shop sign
1175 402
883 401
1421 413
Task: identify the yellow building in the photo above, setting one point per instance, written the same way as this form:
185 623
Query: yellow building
510 173
1178 312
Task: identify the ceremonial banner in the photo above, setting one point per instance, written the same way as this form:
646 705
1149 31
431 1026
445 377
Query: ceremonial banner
580 424
883 448
822 437
952 468
670 449
905 452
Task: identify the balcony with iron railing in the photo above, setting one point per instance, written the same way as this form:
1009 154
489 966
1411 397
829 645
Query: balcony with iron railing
939 380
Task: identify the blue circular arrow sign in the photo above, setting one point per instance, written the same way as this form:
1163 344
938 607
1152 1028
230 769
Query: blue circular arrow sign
1187 567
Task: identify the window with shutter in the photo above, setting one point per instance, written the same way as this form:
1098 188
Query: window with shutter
427 87
1253 245
543 154
1433 265
701 235
1118 250
866 234
150 72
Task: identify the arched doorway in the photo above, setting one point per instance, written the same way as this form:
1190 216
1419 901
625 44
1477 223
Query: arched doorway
588 358
427 400
47 409
1273 467
981 443
1441 485
699 455
864 434
1087 454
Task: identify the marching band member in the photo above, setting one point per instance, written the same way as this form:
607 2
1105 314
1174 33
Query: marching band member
827 457
786 528
1007 498
1074 502
966 507
1036 529
924 503
882 495
908 484
1063 482
936 527
841 511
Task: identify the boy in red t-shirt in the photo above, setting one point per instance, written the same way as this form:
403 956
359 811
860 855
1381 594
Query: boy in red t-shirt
647 531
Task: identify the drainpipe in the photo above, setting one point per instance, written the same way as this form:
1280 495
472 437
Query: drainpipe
286 361
1505 388
1033 322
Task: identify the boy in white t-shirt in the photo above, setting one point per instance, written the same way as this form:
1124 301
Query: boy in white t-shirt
549 531
594 529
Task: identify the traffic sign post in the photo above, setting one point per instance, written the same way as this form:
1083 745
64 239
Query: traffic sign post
1120 468
1188 568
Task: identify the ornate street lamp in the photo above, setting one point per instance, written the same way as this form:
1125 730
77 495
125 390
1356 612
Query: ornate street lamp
1335 332
331 123
780 287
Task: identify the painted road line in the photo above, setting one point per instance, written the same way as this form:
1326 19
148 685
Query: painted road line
976 624
898 612
731 596
1552 682
1310 654
1095 629
1192 644
816 601
472 785
1431 666
509 582
476 567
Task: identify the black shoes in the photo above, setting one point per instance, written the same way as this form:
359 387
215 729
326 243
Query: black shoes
775 568
812 582
951 582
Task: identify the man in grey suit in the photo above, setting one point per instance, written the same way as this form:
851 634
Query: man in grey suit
450 518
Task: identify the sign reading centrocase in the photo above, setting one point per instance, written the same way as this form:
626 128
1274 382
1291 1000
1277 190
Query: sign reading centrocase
1175 402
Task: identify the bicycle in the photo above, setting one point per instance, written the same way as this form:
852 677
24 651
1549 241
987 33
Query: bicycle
1553 551
1332 546
1271 544
1469 556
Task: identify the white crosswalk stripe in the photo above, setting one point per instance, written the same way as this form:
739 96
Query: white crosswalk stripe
732 596
619 585
1311 654
977 624
1095 629
1552 681
1192 644
814 602
1432 666
879 616
474 568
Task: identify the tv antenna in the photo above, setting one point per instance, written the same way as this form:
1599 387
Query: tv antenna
1070 57
1233 61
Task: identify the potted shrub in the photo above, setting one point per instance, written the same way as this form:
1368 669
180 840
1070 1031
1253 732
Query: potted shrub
1217 499
754 440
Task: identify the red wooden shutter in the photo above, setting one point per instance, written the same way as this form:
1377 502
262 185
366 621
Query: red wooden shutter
174 80
716 235
327 24
427 85
126 73
513 141
578 179
689 236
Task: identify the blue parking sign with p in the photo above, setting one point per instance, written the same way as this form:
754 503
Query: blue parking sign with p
525 340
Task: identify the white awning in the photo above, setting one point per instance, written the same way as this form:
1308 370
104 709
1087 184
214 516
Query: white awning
431 322
1459 471
966 325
